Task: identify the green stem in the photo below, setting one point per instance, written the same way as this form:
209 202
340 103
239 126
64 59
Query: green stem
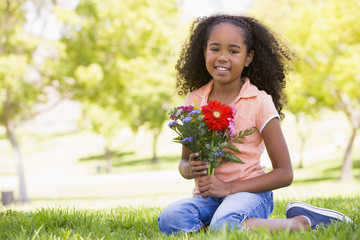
211 168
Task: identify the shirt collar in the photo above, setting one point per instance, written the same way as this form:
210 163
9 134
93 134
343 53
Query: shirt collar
248 90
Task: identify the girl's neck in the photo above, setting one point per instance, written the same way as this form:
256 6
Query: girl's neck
225 94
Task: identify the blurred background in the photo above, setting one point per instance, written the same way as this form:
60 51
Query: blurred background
85 86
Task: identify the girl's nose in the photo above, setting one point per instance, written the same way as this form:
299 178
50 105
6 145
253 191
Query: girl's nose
223 56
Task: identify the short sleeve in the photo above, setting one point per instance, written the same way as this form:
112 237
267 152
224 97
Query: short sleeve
191 98
266 112
187 99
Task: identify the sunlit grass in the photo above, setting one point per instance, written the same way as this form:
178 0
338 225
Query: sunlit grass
141 223
316 183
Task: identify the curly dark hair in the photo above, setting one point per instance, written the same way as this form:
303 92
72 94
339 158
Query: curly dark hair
266 71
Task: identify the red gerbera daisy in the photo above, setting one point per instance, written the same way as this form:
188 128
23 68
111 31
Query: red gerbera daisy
216 115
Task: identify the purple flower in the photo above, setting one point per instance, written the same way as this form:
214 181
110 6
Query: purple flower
173 117
186 109
187 119
187 139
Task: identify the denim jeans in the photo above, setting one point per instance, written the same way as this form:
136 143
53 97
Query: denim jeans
188 215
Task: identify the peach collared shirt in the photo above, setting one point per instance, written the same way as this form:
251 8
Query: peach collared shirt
254 109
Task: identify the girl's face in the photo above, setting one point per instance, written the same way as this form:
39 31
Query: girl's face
226 53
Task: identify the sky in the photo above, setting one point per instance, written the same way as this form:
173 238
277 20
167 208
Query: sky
44 22
202 8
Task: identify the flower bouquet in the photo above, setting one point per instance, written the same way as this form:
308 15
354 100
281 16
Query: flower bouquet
210 131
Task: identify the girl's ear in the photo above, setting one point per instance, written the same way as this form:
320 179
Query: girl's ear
249 58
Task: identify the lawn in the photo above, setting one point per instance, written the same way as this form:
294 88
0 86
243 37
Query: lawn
140 223
70 199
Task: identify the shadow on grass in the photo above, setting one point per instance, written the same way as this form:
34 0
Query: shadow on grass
319 179
331 171
46 136
147 161
355 165
126 159
114 156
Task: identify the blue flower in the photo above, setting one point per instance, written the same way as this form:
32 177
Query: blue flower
197 111
173 123
187 119
187 139
218 154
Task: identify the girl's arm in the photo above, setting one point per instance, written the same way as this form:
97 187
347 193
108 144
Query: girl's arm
280 176
189 167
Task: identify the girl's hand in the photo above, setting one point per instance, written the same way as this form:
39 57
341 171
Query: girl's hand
198 167
211 186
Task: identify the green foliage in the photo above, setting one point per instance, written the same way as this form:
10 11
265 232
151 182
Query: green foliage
18 91
110 44
329 51
141 223
149 94
22 84
120 57
327 56
104 121
326 39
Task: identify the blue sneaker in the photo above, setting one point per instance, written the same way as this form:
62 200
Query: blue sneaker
318 216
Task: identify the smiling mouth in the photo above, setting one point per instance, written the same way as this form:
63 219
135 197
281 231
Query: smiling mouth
222 68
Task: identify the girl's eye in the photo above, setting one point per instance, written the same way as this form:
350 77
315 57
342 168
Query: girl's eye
214 49
233 51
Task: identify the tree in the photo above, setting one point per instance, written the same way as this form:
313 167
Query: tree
303 107
22 84
150 96
331 57
105 122
300 88
325 37
113 45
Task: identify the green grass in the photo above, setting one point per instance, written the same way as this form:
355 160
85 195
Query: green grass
319 176
141 223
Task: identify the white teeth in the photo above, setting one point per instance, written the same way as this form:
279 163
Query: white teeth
221 68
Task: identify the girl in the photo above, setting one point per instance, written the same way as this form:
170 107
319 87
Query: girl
239 62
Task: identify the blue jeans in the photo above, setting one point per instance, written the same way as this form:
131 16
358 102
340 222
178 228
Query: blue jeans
189 215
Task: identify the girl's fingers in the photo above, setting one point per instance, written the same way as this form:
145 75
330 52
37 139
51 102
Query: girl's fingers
199 167
199 174
199 163
199 170
193 156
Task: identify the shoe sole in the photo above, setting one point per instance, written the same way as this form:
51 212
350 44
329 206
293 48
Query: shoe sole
323 211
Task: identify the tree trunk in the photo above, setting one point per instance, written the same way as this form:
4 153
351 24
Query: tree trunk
302 150
18 158
346 169
302 135
108 159
156 135
353 114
